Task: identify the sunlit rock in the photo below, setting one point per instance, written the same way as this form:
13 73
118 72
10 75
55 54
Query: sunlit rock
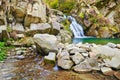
65 63
77 58
107 71
45 43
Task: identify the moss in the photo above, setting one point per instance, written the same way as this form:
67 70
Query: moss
52 3
66 25
9 29
94 20
3 50
66 7
81 15
50 62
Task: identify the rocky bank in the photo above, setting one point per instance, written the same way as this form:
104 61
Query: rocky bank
99 18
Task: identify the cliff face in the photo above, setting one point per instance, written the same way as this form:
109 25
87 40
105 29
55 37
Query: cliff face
27 17
22 11
99 18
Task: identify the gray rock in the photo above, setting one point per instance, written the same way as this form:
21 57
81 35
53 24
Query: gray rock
93 63
105 50
113 62
65 63
70 46
36 13
50 58
85 54
18 27
63 54
20 35
38 28
87 66
55 28
19 13
65 36
76 49
45 43
77 58
61 46
19 52
20 57
112 45
107 71
82 67
118 46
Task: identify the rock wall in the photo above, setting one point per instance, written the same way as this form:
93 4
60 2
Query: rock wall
100 18
22 11
18 16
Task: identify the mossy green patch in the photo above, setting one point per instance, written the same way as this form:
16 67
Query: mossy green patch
66 24
3 50
81 15
52 3
66 7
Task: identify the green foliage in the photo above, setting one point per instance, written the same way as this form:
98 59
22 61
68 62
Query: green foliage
3 50
52 3
94 20
66 24
9 29
81 15
66 7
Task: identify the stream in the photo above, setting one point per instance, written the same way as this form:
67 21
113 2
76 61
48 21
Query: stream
32 67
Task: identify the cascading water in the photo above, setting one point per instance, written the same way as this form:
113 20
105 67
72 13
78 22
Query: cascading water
76 28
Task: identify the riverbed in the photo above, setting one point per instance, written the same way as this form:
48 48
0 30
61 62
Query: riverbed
32 67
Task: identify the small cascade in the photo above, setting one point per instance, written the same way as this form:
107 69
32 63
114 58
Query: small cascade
76 28
56 68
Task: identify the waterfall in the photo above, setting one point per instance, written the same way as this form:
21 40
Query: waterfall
76 28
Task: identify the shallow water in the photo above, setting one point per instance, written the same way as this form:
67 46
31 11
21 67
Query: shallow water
33 67
97 40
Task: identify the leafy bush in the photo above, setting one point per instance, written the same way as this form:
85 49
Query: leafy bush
66 7
52 3
3 50
66 24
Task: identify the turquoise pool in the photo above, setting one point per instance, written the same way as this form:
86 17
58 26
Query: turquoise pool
97 40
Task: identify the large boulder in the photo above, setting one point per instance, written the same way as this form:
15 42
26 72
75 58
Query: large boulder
111 56
64 59
87 65
45 43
